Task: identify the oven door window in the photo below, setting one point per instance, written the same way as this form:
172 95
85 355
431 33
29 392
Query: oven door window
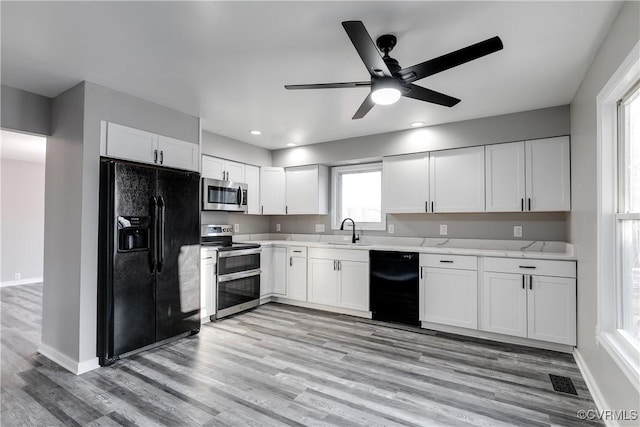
222 195
238 291
238 263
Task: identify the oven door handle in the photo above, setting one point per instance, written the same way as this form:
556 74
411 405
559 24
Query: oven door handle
239 252
236 276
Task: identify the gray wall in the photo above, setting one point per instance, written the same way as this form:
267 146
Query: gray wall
249 224
625 32
71 206
232 149
535 225
25 111
22 226
534 124
62 226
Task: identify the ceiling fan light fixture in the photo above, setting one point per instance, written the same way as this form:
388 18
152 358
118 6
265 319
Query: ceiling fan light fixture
385 96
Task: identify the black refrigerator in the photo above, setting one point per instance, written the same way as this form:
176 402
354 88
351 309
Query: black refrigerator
149 254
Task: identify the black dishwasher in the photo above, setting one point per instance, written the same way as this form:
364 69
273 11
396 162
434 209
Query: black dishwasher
393 278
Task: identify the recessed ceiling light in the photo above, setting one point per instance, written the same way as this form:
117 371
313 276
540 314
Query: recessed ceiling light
256 132
291 144
417 124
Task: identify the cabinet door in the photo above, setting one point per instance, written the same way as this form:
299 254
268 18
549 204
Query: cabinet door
354 285
504 304
208 289
267 272
297 278
280 271
235 171
450 297
252 179
504 167
548 174
131 144
178 154
272 191
551 304
323 281
405 184
212 167
301 184
456 179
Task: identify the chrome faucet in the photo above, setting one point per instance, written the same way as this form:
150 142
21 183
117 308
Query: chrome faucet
353 224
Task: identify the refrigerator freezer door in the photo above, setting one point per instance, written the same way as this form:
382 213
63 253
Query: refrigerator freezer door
178 276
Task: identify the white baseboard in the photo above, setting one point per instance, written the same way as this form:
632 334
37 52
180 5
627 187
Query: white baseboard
596 394
77 368
21 282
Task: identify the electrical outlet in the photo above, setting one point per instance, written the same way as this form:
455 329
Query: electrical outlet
319 228
443 229
17 276
517 231
277 227
236 228
392 229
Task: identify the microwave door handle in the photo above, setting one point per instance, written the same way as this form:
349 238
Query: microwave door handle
240 196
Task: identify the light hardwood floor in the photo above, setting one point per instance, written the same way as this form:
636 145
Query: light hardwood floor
282 365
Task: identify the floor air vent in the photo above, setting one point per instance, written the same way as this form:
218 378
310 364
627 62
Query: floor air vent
563 384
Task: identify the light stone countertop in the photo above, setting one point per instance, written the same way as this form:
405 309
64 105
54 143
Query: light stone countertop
528 249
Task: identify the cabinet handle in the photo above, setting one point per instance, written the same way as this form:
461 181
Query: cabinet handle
529 267
421 272
426 206
297 252
523 279
334 265
448 261
339 265
286 209
431 207
530 283
161 156
529 202
262 209
522 204
209 257
290 261
155 156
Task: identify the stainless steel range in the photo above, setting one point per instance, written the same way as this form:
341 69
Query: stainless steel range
238 270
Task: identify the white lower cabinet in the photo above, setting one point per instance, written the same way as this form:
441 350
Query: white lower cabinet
208 283
339 278
279 268
297 273
449 290
530 298
266 275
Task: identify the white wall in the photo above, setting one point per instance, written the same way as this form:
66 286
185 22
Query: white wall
616 390
232 149
22 225
25 111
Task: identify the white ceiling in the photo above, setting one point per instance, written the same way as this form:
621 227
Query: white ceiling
227 62
20 146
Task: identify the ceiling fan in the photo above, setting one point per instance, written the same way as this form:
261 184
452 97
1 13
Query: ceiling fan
389 81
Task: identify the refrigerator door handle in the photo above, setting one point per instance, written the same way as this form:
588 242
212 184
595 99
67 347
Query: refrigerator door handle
161 223
154 239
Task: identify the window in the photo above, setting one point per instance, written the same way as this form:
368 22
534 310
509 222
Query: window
618 217
357 194
628 216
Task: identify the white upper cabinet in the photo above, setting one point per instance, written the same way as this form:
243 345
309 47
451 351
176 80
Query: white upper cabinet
307 190
127 143
226 170
252 179
178 154
528 176
272 191
456 179
505 177
405 183
548 174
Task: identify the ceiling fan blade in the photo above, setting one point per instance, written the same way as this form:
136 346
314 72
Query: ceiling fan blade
365 107
423 94
329 85
366 49
450 60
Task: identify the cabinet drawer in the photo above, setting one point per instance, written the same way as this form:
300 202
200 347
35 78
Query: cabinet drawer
340 254
460 262
297 251
538 267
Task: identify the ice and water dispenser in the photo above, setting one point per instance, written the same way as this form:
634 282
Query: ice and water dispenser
133 233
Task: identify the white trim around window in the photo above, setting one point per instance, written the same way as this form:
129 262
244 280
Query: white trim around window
336 195
608 334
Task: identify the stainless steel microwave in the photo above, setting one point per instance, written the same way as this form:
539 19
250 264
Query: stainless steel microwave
218 195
